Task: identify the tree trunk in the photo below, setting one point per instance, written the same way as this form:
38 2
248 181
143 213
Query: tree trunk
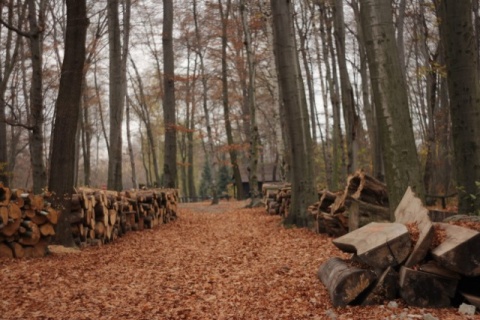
7 65
402 167
456 31
39 174
254 136
169 115
350 116
67 112
303 189
368 110
224 15
210 155
116 98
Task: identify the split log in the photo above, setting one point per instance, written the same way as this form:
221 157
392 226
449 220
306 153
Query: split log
11 228
32 236
459 252
51 214
335 225
343 282
17 249
362 213
363 187
427 290
14 211
379 245
39 250
5 251
47 229
411 210
326 200
385 288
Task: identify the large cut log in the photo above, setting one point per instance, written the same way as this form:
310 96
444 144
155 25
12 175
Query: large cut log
47 229
14 211
362 213
17 249
379 245
385 288
37 251
11 228
427 290
32 236
5 251
363 187
411 210
459 251
344 283
326 200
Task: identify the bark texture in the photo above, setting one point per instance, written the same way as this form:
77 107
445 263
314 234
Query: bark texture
402 167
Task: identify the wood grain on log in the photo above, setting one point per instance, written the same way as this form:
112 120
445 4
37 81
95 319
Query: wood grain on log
427 290
411 210
459 252
385 288
379 245
343 282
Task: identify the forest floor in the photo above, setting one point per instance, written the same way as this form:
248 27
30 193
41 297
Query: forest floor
213 262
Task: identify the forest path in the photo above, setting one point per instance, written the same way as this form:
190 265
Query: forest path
213 262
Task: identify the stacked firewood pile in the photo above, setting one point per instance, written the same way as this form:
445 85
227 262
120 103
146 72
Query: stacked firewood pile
27 222
276 197
100 216
427 264
363 200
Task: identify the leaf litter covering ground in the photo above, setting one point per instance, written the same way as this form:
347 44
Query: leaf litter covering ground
214 262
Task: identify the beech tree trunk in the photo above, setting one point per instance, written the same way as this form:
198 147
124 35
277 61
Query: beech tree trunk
351 119
224 15
37 155
253 134
6 65
402 166
169 114
210 156
456 31
67 113
116 98
296 111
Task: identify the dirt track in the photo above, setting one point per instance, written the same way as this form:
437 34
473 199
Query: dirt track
220 262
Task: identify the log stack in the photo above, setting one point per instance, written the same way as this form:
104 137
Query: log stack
100 216
270 192
27 222
427 264
363 200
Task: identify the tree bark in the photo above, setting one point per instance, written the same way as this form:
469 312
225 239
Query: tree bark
253 134
456 31
210 155
351 119
402 167
303 189
67 113
224 15
39 174
116 98
169 114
